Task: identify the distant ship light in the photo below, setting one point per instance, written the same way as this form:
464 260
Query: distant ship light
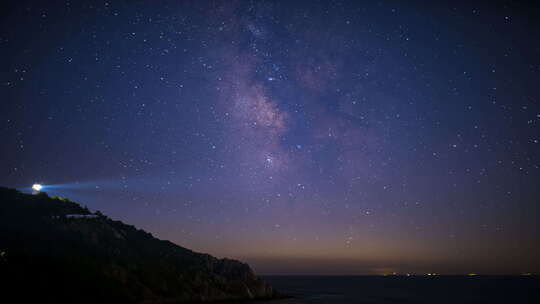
37 187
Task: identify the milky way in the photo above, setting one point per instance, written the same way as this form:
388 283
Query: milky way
301 137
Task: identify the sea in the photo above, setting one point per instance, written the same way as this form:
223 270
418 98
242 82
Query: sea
406 289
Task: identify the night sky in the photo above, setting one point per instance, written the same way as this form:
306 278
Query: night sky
315 137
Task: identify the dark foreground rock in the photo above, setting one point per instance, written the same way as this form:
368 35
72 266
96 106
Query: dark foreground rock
52 249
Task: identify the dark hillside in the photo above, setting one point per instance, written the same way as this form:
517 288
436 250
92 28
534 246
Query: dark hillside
54 249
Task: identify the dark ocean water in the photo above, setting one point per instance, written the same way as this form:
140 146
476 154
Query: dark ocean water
401 289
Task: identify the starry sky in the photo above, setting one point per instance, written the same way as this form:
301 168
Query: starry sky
303 137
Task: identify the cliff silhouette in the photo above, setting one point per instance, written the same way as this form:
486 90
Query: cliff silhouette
54 250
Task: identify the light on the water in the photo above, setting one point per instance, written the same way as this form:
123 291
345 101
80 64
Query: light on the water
37 187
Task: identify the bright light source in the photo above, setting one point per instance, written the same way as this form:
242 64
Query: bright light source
37 187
